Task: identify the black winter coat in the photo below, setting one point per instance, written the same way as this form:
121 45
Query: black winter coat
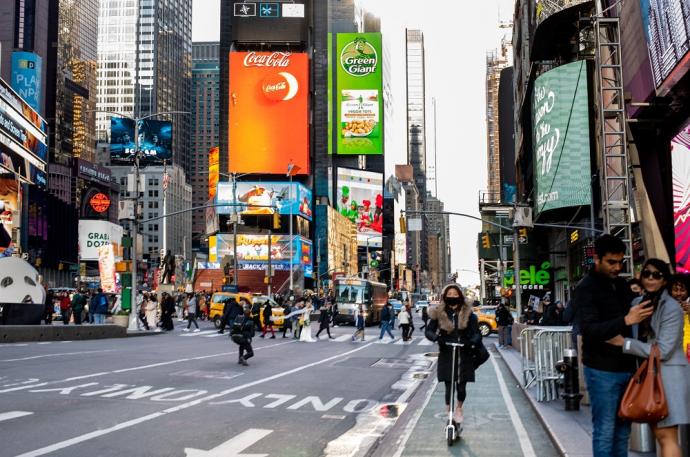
469 336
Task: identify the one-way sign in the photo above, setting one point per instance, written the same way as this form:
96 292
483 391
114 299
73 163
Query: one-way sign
245 9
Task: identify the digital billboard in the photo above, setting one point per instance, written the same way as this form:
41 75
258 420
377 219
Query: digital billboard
258 196
26 77
680 163
252 251
9 209
268 112
213 171
668 40
560 120
269 22
23 137
93 234
359 93
360 199
155 140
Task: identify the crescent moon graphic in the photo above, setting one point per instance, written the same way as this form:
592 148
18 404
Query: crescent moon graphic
293 85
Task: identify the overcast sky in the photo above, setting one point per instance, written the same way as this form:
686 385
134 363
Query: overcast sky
457 37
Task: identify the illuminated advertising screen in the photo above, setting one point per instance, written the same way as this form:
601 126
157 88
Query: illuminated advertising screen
359 93
261 198
668 40
680 160
560 118
213 172
252 251
26 77
266 22
9 209
23 137
360 199
155 140
268 112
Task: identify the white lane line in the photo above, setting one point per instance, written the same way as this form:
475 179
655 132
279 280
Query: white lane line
33 357
205 332
12 345
44 342
523 437
95 434
409 427
124 370
13 415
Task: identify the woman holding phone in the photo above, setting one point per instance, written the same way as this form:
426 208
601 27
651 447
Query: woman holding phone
665 329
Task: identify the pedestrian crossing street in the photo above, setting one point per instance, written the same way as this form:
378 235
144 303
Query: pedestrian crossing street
415 340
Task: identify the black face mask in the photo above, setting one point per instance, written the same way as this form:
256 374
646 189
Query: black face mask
453 301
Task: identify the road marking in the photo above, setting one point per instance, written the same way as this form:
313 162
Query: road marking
406 343
205 332
13 415
34 357
213 335
44 342
425 342
12 345
407 432
234 446
340 339
385 340
525 443
142 367
123 425
333 416
316 403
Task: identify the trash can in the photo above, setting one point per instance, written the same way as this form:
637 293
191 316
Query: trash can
642 439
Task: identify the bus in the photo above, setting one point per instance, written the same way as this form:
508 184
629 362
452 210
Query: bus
352 292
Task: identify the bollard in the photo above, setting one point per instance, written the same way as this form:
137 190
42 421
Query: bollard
571 380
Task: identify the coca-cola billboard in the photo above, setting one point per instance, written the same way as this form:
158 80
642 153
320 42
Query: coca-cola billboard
262 59
274 22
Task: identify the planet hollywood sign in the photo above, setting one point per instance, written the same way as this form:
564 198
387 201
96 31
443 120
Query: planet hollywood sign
275 59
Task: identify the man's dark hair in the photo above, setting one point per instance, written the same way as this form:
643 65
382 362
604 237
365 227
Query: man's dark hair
608 244
634 282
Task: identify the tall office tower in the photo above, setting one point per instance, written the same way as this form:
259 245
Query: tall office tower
145 65
206 134
439 242
75 83
495 63
416 143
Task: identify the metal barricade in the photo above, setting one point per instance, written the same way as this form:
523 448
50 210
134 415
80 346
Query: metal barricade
550 344
527 350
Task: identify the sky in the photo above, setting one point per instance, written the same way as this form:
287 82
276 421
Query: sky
457 37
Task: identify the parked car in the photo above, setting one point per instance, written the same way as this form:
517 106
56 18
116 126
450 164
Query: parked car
397 304
487 319
421 304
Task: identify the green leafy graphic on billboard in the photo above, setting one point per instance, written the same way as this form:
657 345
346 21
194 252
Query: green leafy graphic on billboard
561 138
360 94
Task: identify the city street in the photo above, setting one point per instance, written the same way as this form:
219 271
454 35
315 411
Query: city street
183 394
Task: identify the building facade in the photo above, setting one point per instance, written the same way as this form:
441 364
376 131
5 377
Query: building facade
206 135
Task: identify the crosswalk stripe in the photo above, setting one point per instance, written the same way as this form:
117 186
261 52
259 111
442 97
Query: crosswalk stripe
205 332
425 342
212 335
385 340
341 338
401 342
13 415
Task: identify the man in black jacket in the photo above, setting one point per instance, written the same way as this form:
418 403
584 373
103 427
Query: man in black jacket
324 321
242 332
231 309
602 308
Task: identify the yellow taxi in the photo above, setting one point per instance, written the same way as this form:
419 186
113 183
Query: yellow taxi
487 319
215 312
276 310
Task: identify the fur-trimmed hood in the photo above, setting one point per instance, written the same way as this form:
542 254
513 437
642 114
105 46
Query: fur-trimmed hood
439 313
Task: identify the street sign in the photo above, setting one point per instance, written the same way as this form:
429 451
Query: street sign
230 288
414 224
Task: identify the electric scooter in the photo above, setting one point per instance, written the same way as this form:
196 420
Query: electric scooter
453 429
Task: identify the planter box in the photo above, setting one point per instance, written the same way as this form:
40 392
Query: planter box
122 321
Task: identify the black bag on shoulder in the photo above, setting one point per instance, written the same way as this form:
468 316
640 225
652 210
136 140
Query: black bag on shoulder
236 334
479 355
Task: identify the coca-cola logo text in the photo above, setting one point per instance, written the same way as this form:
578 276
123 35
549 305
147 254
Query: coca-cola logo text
275 59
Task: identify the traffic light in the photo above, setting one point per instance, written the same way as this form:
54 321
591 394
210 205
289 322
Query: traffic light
522 233
486 242
276 221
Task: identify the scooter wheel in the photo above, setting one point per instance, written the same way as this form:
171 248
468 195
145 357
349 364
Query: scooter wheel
450 436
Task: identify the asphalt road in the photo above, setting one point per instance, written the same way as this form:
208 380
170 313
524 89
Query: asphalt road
183 394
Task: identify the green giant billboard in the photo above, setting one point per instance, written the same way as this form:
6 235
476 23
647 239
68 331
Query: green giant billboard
560 119
359 93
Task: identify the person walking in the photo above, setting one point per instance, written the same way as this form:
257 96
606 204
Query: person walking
602 309
287 321
256 315
298 316
192 313
454 321
665 329
78 304
65 307
325 321
142 301
49 307
99 306
504 320
242 332
680 290
230 311
360 323
268 320
387 317
180 305
425 317
167 311
305 332
404 323
152 311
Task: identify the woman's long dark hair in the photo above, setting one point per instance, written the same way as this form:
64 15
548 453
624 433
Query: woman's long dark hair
456 287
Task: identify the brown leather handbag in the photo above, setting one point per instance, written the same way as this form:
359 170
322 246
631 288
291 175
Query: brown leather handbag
644 400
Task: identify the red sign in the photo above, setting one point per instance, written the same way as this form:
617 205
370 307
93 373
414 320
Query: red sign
100 202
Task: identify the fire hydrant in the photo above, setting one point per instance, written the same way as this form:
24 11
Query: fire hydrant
571 380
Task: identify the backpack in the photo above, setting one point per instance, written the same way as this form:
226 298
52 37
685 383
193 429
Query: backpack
236 333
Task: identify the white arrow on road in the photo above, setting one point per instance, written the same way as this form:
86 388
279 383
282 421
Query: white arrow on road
234 446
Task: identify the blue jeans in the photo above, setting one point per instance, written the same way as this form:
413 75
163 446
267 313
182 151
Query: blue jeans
99 318
609 433
386 327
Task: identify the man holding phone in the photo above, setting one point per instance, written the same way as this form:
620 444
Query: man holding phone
602 307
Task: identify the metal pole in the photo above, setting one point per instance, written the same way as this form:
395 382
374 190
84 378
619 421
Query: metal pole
291 240
516 273
270 265
133 321
165 209
482 285
235 273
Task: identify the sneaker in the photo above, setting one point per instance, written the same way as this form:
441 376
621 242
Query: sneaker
185 329
221 332
273 337
262 336
331 337
241 361
457 417
197 330
244 363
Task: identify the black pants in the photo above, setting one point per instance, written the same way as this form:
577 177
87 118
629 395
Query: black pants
326 328
460 390
65 317
286 325
77 316
246 351
405 331
48 316
191 318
